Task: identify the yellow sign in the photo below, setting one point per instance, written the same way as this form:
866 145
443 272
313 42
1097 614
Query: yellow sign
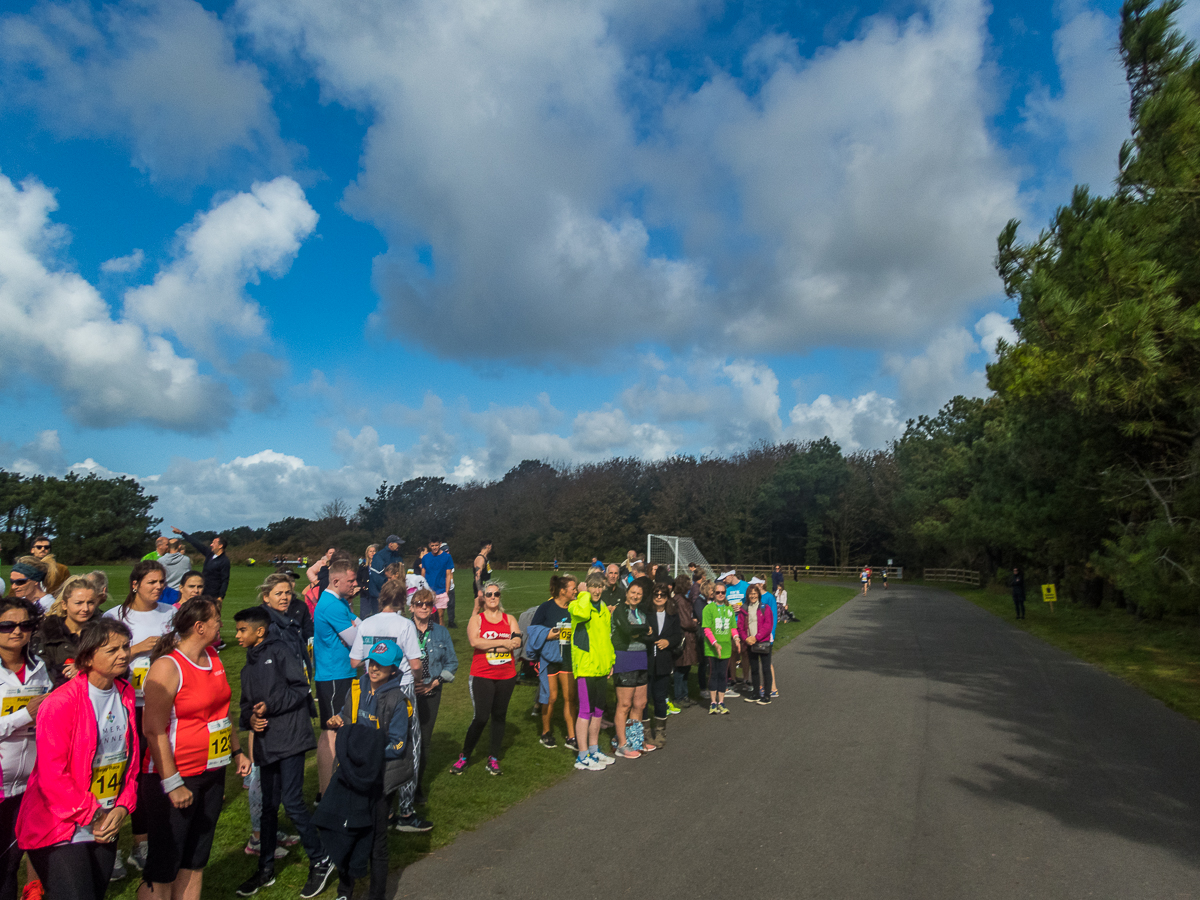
1049 594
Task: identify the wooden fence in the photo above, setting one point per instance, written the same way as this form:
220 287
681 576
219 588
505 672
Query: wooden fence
959 576
520 566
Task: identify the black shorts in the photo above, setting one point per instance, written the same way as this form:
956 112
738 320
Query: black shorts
331 697
555 668
182 838
630 679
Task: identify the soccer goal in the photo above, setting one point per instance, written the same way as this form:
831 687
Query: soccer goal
677 552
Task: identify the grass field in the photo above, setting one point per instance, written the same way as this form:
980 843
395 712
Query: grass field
1160 657
456 803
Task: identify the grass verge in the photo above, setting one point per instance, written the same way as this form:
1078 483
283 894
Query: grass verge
1160 657
456 803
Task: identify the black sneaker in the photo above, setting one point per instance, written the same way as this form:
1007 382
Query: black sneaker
259 879
413 823
345 889
547 741
319 874
571 744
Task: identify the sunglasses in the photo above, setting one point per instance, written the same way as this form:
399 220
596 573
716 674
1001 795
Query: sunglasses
41 546
424 604
492 594
9 627
17 582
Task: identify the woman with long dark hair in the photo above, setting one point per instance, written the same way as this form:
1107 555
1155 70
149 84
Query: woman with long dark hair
666 635
191 741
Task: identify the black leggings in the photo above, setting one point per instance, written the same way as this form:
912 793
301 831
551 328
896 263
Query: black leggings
489 697
75 871
660 687
10 858
763 683
718 675
427 710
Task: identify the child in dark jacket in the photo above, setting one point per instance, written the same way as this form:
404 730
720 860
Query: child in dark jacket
274 709
375 702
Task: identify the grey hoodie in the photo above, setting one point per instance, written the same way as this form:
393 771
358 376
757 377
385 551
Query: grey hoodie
177 565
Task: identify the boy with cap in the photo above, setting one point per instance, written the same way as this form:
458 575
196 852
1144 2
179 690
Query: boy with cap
376 702
275 712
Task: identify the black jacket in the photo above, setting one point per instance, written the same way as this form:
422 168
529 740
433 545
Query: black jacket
56 644
662 662
275 676
626 632
215 571
294 628
345 815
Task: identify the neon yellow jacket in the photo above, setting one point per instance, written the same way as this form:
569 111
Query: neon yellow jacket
592 654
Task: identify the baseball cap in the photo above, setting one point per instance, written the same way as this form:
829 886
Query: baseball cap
393 539
384 653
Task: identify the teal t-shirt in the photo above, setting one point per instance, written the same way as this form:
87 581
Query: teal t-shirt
718 618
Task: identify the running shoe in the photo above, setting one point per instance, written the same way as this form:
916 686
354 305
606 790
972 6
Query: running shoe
774 694
319 874
33 891
345 889
705 695
648 747
764 701
251 885
287 840
602 758
625 753
571 744
750 698
118 871
253 848
672 709
547 741
137 856
714 709
413 824
459 767
722 709
588 764
492 766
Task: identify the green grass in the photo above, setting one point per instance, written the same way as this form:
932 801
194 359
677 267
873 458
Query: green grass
1160 657
456 803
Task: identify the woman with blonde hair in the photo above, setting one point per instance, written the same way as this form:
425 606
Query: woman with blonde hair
77 604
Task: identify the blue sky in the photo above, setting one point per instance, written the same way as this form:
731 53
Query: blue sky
266 253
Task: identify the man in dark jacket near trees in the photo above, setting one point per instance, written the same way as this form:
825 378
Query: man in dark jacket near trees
275 710
376 579
1018 591
216 564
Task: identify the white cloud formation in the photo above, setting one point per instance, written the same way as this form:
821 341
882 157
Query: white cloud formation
41 456
992 328
59 331
161 75
123 264
1090 115
941 371
856 192
866 422
201 297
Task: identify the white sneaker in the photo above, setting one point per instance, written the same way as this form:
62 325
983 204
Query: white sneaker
118 871
589 764
137 856
603 759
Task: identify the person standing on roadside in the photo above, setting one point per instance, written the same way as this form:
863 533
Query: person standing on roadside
334 629
681 608
377 575
216 565
1018 591
719 637
550 633
439 665
439 572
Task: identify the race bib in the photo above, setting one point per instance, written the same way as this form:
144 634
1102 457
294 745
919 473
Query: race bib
141 667
219 753
499 657
107 778
14 703
564 636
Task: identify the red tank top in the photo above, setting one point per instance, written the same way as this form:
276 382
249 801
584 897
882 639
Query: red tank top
495 664
200 726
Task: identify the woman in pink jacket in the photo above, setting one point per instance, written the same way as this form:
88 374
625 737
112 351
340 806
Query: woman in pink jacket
754 625
81 789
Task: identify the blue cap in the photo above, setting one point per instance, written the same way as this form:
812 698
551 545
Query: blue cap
385 653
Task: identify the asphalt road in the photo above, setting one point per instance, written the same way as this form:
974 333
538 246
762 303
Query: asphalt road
921 749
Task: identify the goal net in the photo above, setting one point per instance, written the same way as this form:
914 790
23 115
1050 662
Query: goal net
676 552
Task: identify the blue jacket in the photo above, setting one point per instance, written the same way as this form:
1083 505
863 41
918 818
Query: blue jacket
383 558
387 710
539 647
438 659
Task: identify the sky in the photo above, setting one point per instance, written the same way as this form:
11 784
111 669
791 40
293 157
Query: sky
264 254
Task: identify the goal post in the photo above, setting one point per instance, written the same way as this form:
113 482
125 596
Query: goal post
676 552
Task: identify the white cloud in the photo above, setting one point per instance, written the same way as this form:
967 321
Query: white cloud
59 331
161 75
867 421
940 372
1090 115
994 327
201 297
123 264
858 192
41 456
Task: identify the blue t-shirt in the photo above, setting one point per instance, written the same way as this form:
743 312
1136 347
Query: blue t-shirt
436 567
736 593
772 605
330 655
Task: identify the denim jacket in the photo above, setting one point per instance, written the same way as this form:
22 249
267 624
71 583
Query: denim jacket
438 657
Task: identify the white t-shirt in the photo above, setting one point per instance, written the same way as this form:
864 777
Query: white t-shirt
152 623
662 620
45 602
388 625
414 583
112 751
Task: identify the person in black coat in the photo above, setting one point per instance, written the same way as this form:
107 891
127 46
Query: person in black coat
345 816
1018 591
275 710
665 641
216 565
291 621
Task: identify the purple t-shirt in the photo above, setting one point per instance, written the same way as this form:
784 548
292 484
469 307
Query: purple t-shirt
630 661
